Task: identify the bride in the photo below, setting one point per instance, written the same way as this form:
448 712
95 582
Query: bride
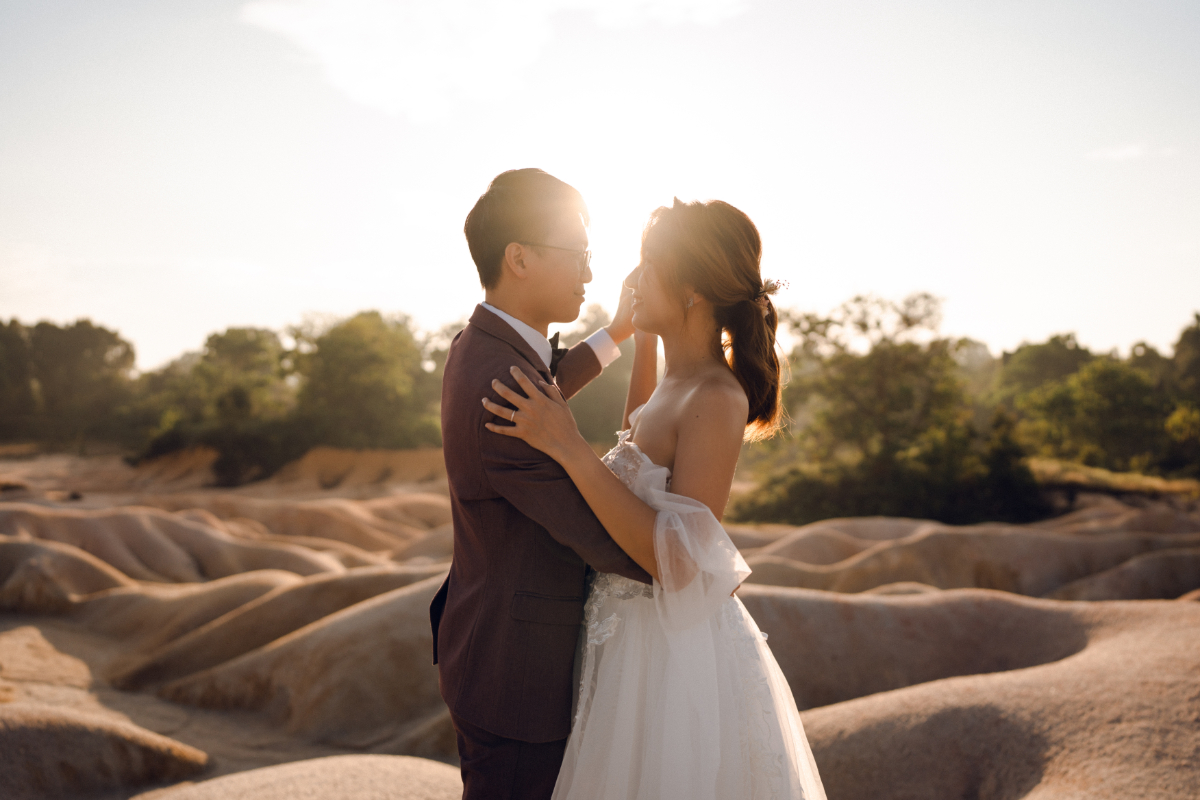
680 696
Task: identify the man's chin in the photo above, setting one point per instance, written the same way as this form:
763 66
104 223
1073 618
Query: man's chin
570 315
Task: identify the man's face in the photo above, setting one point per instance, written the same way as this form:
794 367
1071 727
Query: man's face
560 273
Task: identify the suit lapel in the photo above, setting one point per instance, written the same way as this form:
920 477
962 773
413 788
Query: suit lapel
489 323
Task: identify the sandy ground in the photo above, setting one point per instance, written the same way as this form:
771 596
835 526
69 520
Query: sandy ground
162 639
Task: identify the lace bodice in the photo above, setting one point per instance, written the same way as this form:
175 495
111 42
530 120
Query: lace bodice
626 460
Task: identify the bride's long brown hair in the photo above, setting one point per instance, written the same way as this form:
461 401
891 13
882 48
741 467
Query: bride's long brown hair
715 249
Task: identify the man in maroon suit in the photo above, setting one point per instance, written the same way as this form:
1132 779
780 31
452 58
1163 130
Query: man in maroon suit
507 619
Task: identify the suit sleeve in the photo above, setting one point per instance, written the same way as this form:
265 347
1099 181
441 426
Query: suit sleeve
540 488
578 368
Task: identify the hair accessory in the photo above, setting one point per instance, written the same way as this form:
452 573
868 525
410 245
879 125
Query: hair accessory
762 298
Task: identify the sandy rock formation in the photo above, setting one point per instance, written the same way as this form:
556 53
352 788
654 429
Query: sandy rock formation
325 468
835 647
1104 514
38 577
150 615
1119 718
374 526
151 545
59 752
818 544
1163 575
243 528
436 545
264 619
1015 559
357 677
362 777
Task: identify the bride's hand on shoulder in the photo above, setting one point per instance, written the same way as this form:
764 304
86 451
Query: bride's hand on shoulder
541 418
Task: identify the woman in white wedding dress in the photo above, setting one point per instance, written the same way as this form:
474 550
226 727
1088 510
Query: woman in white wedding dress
680 696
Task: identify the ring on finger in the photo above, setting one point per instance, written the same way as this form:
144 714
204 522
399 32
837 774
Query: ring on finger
513 416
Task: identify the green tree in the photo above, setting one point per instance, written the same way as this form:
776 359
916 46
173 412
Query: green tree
364 385
1033 365
243 375
82 377
238 379
1157 368
886 426
1108 414
18 406
871 406
1186 360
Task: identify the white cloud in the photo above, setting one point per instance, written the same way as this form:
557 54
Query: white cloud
420 58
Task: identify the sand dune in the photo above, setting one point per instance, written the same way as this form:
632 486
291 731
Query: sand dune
148 615
66 753
377 525
1118 719
1103 514
818 544
366 777
150 545
1014 559
264 619
1163 575
835 647
356 677
331 468
288 621
40 577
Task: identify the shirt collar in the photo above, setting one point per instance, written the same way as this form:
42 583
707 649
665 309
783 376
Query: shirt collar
539 343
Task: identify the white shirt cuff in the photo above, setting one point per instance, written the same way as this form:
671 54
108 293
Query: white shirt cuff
604 347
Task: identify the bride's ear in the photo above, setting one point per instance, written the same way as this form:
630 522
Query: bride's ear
690 296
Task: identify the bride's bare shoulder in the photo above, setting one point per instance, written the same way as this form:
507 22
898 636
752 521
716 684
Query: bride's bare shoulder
717 400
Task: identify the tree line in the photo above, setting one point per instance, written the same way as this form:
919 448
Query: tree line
890 418
886 415
369 381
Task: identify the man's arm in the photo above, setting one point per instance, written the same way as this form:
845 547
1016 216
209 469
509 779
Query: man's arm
578 368
539 488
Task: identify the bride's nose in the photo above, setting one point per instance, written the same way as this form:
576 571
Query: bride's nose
631 280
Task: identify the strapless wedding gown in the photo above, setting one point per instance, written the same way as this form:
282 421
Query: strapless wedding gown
680 696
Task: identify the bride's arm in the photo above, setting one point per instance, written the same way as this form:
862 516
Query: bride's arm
645 373
711 424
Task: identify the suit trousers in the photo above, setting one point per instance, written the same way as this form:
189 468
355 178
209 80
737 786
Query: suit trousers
495 768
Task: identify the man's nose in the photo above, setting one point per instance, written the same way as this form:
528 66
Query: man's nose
585 275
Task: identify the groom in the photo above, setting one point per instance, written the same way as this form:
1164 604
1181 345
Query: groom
507 619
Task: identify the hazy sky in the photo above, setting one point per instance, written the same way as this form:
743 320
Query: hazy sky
173 168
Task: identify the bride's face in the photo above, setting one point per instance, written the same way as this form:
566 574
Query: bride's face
655 309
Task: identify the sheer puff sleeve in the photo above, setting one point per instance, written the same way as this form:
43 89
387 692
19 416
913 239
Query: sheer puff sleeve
698 565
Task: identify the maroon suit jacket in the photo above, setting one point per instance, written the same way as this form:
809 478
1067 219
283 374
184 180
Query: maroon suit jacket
506 621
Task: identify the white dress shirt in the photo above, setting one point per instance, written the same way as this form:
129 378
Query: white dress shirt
602 344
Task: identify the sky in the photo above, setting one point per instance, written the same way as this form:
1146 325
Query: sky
172 169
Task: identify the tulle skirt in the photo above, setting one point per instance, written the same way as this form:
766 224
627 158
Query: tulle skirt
699 713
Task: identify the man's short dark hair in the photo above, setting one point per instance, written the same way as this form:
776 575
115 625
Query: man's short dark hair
521 205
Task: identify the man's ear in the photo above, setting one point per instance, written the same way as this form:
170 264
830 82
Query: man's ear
514 261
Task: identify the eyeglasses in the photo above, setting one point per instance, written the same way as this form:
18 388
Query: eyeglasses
584 256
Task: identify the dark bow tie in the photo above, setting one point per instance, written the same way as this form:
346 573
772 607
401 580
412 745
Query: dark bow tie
556 354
